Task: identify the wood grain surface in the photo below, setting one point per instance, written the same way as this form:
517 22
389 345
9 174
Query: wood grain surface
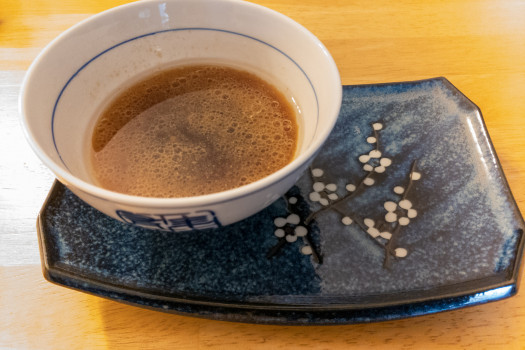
478 45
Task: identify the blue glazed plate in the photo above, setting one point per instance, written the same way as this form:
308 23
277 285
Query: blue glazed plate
405 212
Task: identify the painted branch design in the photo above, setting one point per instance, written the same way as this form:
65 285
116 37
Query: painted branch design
384 232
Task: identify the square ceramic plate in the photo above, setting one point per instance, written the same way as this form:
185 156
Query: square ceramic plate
405 212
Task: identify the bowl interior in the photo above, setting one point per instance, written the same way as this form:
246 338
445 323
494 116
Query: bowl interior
106 74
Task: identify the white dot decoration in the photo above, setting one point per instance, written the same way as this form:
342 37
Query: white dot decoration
331 187
372 231
415 176
364 158
293 219
398 211
379 169
279 222
279 233
399 190
391 217
291 238
317 172
350 188
315 196
401 252
405 204
404 221
369 222
377 126
300 231
346 221
375 153
390 206
318 186
306 250
368 181
385 162
386 235
412 213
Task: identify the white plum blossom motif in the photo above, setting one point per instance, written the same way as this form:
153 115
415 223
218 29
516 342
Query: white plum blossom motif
325 193
399 213
374 161
347 220
402 211
400 252
374 231
415 176
289 229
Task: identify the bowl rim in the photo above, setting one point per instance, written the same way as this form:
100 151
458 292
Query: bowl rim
262 184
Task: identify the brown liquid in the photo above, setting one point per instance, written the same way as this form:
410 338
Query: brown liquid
191 131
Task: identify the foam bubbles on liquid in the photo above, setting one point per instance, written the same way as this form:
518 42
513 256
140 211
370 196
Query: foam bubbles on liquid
191 131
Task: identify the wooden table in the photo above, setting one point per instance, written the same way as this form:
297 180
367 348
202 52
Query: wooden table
478 45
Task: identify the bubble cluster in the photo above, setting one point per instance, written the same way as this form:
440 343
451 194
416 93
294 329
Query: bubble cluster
193 130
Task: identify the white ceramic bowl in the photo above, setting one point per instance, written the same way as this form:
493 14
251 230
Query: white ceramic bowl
75 75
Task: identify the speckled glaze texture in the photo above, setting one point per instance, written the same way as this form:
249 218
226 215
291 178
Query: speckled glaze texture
404 212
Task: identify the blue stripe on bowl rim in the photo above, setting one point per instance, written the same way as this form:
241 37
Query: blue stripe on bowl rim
160 32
